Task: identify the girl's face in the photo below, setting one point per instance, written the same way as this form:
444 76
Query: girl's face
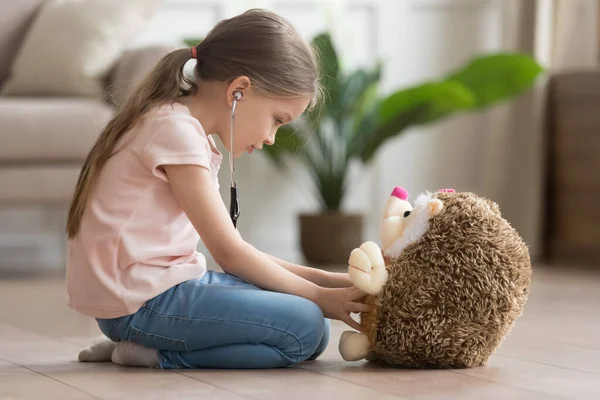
257 118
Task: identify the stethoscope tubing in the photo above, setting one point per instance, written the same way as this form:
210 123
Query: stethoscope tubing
234 206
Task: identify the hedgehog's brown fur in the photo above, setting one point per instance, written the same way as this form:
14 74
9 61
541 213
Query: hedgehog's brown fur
453 295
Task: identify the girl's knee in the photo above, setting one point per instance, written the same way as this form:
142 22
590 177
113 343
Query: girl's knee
315 328
324 341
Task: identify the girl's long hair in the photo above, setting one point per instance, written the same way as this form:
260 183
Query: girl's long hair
258 44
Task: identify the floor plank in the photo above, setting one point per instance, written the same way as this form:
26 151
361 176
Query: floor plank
421 385
553 352
541 378
289 384
56 359
18 382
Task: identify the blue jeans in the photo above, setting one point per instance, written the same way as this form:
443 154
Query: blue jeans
220 321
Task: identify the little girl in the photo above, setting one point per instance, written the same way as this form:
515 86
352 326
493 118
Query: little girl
148 193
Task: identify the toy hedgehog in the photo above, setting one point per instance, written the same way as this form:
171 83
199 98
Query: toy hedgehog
452 279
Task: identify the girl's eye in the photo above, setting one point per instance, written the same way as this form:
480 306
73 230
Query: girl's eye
278 121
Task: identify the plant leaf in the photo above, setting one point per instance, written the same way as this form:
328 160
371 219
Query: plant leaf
417 105
289 141
330 67
497 77
191 42
332 188
352 122
440 99
373 141
369 96
364 126
359 87
364 112
332 192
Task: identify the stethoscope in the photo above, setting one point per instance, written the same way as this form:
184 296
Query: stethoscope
234 204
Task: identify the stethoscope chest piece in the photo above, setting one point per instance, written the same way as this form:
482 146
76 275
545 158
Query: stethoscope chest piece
234 206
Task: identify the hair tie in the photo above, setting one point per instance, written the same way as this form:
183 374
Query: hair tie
194 52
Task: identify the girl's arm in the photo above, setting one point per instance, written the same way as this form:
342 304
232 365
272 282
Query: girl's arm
193 188
315 275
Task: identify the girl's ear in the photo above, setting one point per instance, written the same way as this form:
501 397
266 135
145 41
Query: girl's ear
240 84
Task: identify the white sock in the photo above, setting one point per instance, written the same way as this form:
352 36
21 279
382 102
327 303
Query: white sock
100 350
135 355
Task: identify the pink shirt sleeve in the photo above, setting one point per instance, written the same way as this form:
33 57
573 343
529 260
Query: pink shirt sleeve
176 141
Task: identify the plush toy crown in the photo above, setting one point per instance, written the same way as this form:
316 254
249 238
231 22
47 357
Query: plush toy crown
400 193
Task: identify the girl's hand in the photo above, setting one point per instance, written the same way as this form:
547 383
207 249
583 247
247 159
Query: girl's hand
340 302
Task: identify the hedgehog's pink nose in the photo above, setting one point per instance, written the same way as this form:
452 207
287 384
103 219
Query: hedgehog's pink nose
400 193
447 190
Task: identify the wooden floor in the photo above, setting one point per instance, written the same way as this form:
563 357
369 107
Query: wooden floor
552 353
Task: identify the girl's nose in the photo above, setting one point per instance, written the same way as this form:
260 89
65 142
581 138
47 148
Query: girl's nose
270 140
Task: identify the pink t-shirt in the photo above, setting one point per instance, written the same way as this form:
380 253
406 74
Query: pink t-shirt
135 241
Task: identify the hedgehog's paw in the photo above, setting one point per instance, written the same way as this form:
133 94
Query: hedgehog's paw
367 268
354 346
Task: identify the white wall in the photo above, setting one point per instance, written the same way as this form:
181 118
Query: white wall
580 49
437 37
418 40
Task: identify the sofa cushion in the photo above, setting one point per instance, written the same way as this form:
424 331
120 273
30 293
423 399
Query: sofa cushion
37 184
37 130
17 16
133 66
72 45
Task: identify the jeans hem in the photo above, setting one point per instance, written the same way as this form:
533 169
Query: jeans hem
163 363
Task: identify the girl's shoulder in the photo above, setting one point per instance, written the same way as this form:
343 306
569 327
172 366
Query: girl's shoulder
172 114
171 119
169 130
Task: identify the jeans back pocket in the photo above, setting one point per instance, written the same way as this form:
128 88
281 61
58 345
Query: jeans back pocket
157 342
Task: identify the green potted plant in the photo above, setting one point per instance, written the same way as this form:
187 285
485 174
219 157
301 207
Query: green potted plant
354 121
